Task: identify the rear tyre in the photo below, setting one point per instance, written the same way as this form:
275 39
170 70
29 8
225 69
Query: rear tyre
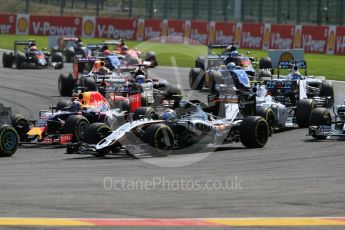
151 57
9 141
268 115
160 137
254 132
196 79
7 60
213 76
143 112
319 116
265 63
66 84
76 125
94 134
89 83
19 59
21 125
200 62
62 104
304 107
265 74
327 91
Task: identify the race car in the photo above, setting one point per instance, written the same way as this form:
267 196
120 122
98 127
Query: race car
210 69
294 86
323 125
236 80
70 47
31 57
9 139
127 56
189 126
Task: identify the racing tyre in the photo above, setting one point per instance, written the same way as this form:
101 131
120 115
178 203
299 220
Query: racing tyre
172 92
304 107
19 61
160 137
21 125
7 60
254 132
151 57
143 112
76 125
265 63
196 79
89 83
319 116
200 62
265 74
268 115
62 104
9 141
57 58
327 91
95 133
66 85
212 81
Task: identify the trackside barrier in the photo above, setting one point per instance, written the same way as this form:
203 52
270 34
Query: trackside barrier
328 39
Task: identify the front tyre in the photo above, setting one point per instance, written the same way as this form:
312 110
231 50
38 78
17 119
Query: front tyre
76 125
9 141
254 132
304 107
66 84
94 134
160 137
318 117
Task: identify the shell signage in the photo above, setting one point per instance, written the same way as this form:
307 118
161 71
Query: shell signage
22 25
89 26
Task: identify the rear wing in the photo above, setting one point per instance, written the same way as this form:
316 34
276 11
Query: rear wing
70 39
22 43
290 64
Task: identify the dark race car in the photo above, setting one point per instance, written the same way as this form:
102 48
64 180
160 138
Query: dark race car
31 57
70 47
66 121
323 125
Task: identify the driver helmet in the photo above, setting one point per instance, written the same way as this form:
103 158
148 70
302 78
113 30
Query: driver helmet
169 114
234 54
124 48
80 44
140 79
295 73
231 66
75 106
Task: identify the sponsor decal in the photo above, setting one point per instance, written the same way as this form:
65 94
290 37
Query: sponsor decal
340 40
116 28
225 33
281 36
7 23
314 39
252 35
55 25
22 25
89 26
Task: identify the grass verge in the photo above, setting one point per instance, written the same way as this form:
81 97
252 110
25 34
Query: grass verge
331 66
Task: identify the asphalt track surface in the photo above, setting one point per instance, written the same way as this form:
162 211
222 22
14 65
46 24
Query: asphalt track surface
292 176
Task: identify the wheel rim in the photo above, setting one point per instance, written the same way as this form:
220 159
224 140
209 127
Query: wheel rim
9 141
164 139
82 128
262 133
